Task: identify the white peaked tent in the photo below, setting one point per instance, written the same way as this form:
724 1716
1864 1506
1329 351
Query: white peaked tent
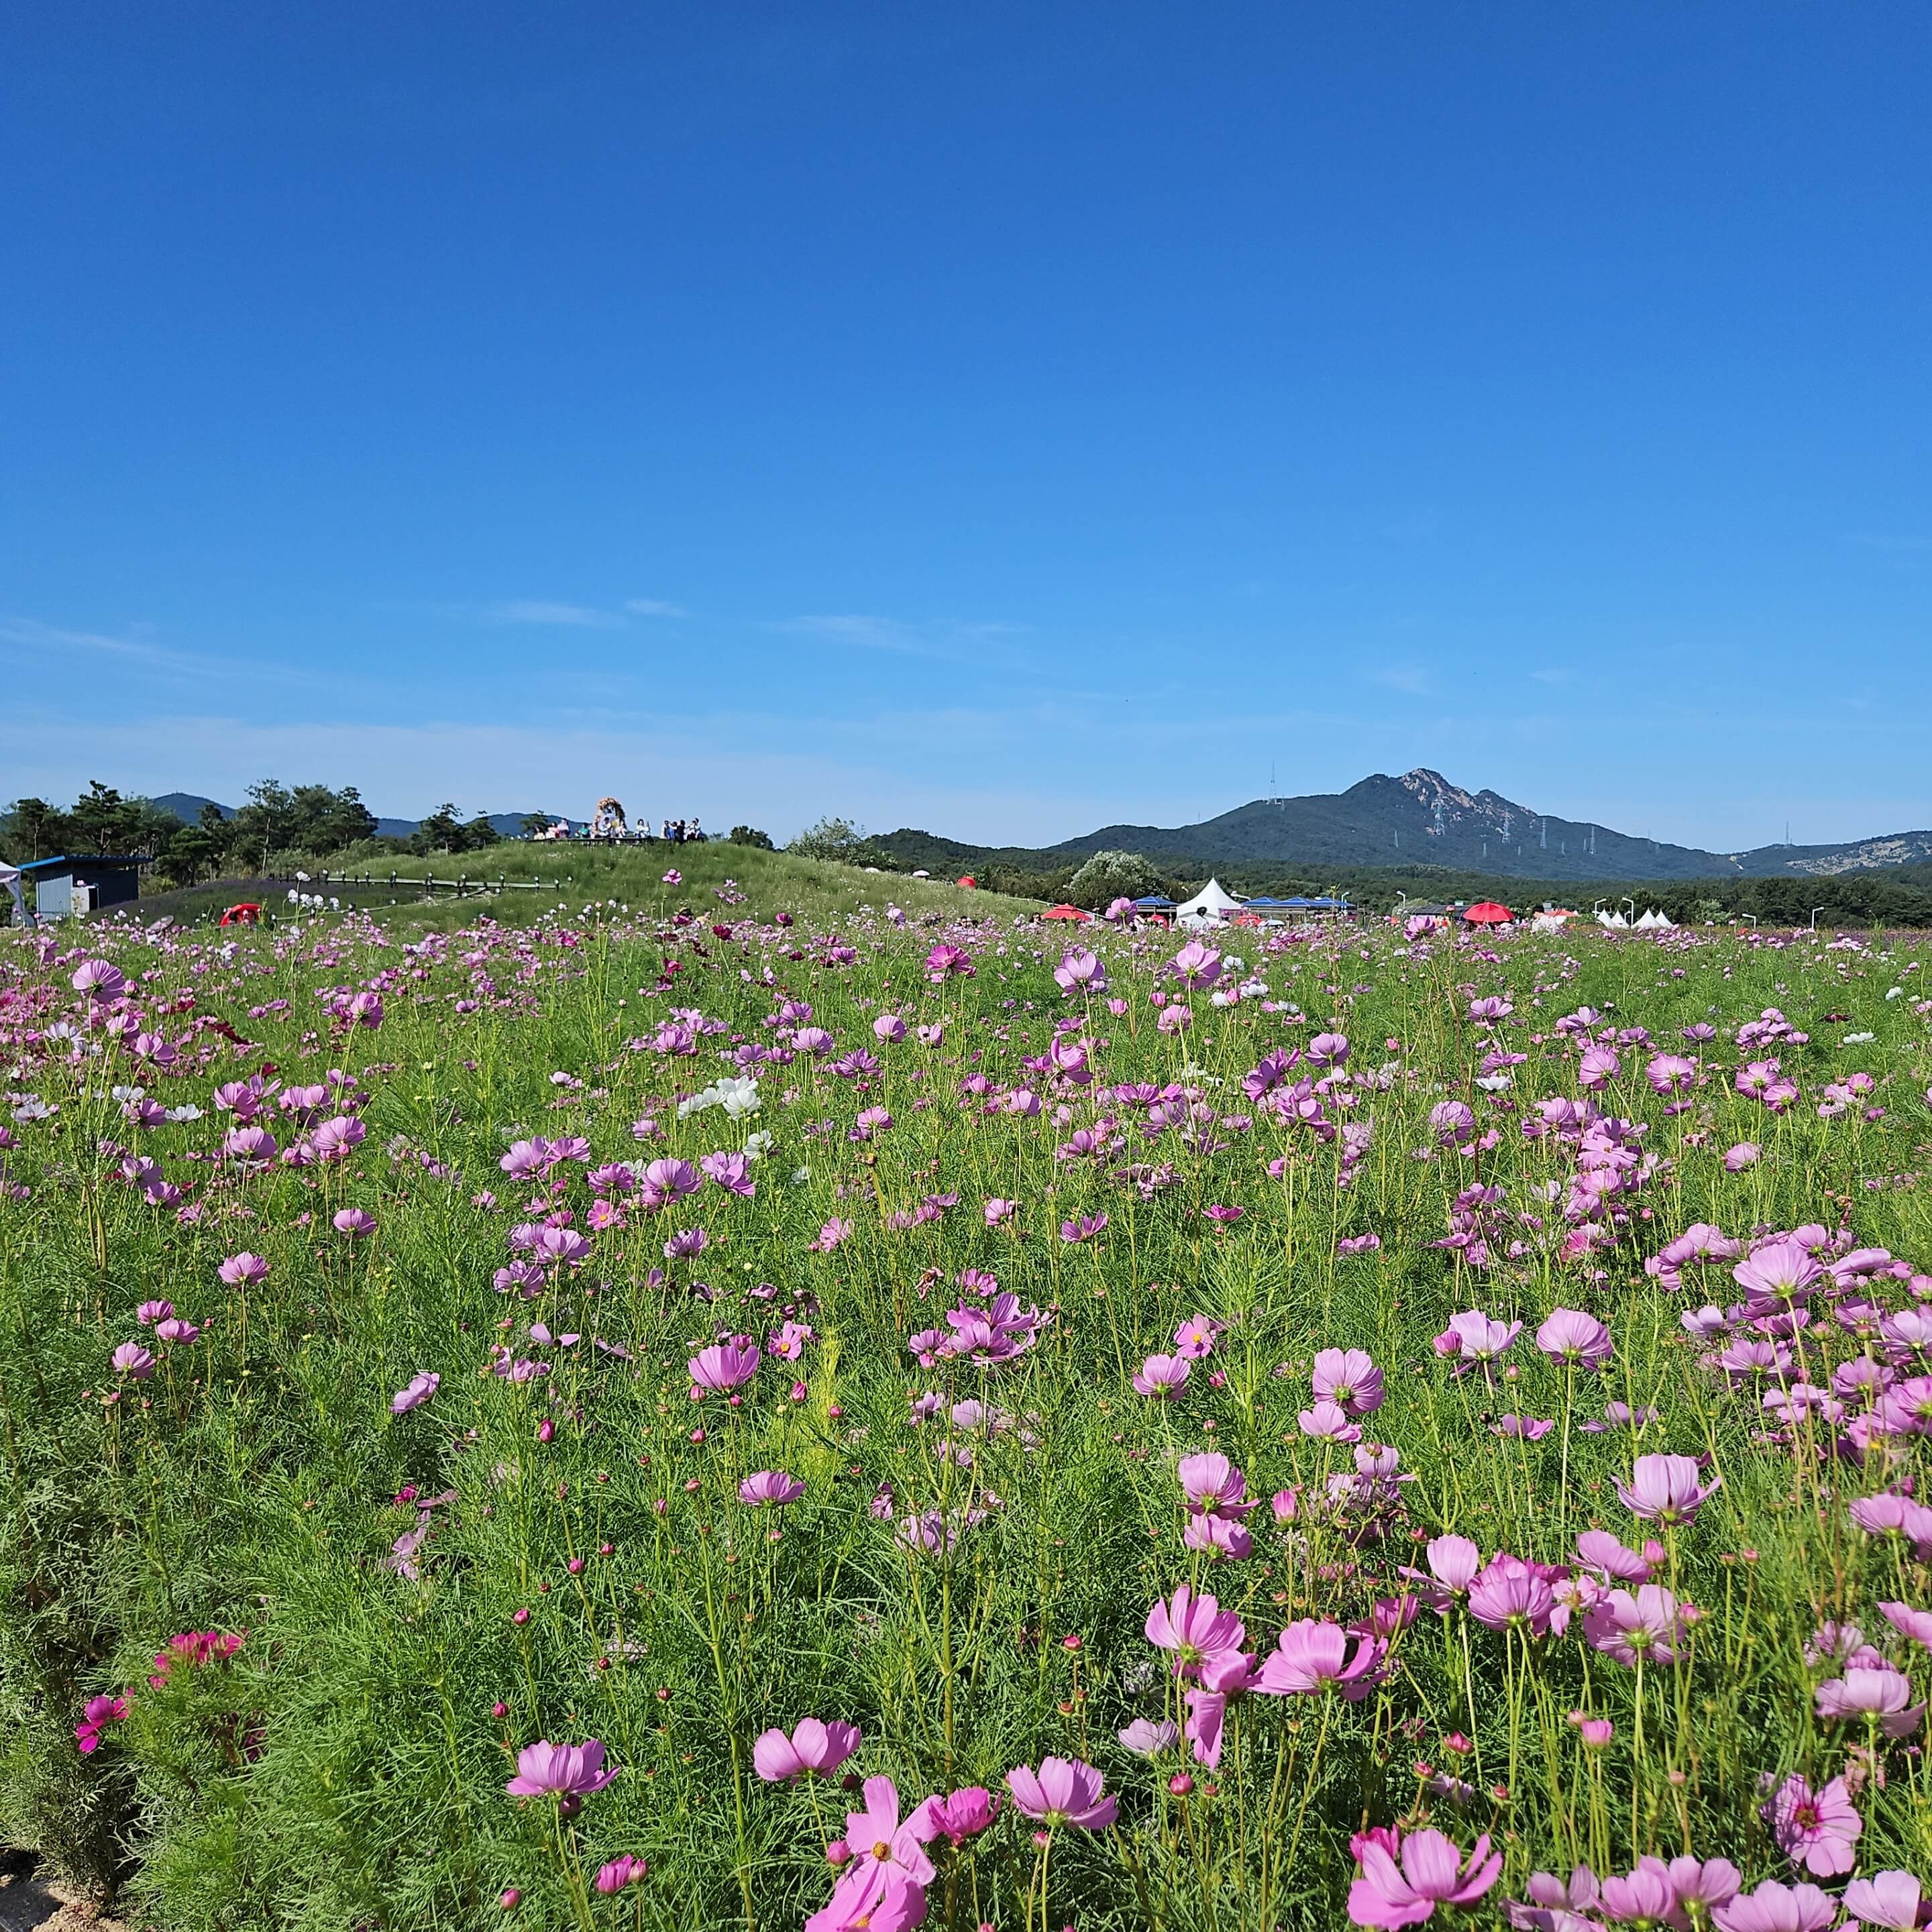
1653 921
1614 921
9 877
1208 907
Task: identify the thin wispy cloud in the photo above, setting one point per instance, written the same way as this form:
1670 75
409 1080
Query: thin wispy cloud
1411 679
30 635
654 606
948 639
536 611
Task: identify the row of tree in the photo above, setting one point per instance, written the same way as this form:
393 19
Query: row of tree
279 826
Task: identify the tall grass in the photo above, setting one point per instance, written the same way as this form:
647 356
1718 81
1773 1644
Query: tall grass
970 1586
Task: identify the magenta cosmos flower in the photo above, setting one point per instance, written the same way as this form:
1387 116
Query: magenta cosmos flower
1063 1791
354 1223
1815 1829
724 1366
814 1745
1433 1872
1510 1595
1664 1489
568 1772
770 1488
1193 1627
877 1836
243 1271
98 1714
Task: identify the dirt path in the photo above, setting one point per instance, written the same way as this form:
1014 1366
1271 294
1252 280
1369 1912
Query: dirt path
28 1905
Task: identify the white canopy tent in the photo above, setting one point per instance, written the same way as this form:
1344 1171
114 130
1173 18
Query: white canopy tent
1208 907
9 877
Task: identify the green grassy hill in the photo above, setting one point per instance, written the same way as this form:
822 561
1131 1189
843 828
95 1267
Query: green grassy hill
514 883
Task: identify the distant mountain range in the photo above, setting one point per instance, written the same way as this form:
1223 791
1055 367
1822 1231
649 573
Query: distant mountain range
187 806
1421 819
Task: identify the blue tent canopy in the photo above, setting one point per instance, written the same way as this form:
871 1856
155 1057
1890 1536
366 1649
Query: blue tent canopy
1154 902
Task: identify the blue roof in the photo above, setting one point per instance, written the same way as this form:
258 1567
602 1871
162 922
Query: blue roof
1299 903
1155 900
66 862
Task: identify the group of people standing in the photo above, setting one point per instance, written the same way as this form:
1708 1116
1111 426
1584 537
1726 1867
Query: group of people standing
609 825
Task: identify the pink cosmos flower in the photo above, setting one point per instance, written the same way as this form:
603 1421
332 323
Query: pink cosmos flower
963 1814
420 1389
1218 1536
1433 1872
1777 1274
1598 1067
1892 1899
1080 970
619 1873
1777 1908
1454 1562
1149 1737
243 1269
1349 1378
1161 1376
1194 1339
1879 1692
1327 1049
1575 1339
1312 1656
1213 1487
1664 1489
724 1366
1916 1624
1643 1628
870 1896
770 1489
1509 1594
889 1029
133 1361
1473 1337
354 1223
877 1836
1815 1829
1710 1884
1063 1791
833 1233
1745 1154
997 1211
1326 1422
731 1172
813 1745
1646 1897
569 1772
98 1713
1193 1627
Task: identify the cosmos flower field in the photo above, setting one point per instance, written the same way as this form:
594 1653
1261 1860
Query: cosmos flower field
685 1422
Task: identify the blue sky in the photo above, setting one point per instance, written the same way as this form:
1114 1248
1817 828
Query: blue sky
1005 419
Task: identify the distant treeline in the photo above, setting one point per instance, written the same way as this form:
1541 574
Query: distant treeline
279 824
1899 895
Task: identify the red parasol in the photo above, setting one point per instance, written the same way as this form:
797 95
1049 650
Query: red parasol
1487 912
